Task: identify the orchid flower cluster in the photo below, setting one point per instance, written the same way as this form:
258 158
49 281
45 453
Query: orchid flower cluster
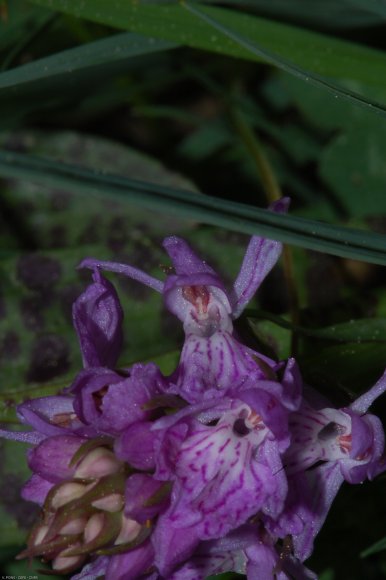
228 464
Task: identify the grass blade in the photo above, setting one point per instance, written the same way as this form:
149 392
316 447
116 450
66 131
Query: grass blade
324 55
119 47
51 81
344 242
288 66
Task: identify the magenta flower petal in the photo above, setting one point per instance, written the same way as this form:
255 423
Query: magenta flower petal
204 565
184 259
141 500
199 301
261 256
93 570
363 403
32 437
109 402
125 270
355 443
224 473
211 366
51 458
269 407
88 389
310 497
136 445
172 546
132 564
52 415
36 489
97 316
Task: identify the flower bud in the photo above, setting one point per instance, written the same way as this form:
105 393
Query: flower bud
129 531
62 563
68 492
109 503
98 463
94 527
97 316
75 526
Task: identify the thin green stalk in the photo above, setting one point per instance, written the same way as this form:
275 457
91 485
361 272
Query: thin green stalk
273 193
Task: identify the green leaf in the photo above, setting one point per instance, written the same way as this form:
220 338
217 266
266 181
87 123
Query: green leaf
318 14
377 8
52 80
377 547
360 330
309 234
275 338
351 366
306 74
351 162
241 35
353 166
118 47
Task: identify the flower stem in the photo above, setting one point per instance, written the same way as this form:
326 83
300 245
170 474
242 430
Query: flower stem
273 193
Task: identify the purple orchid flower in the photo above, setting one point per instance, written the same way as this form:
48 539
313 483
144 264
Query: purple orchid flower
339 445
225 462
212 360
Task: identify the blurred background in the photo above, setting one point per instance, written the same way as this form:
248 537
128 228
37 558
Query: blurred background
239 100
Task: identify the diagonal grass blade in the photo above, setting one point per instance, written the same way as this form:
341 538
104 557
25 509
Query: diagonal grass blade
339 241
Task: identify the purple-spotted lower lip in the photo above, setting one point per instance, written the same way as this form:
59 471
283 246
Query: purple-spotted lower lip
224 471
214 364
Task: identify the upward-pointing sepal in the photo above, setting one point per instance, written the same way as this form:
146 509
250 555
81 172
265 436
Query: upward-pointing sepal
97 316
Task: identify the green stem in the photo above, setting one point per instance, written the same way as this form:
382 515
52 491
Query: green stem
273 193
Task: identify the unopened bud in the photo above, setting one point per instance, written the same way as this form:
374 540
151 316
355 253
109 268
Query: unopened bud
73 527
98 463
94 527
109 503
68 492
63 563
129 531
40 535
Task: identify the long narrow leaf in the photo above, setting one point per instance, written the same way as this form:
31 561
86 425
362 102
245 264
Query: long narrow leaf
286 65
360 330
377 547
51 81
320 14
309 234
119 47
323 55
